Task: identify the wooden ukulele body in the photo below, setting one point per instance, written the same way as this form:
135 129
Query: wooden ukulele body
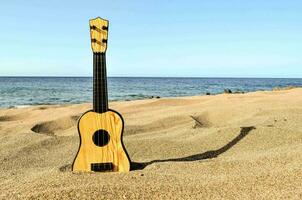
101 129
101 146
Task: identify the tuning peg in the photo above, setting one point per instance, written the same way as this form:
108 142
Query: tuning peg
104 41
105 28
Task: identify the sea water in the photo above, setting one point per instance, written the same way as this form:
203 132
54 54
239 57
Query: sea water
23 91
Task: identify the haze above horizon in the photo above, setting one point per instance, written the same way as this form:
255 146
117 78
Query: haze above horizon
154 38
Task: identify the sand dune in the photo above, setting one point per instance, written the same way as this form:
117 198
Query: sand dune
242 146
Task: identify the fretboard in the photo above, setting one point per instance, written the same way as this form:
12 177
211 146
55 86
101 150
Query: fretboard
100 94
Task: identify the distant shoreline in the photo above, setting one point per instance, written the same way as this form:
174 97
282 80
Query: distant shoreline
132 100
160 77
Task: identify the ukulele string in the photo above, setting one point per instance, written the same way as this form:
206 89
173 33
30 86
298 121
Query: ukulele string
105 98
94 91
107 107
96 94
101 98
98 97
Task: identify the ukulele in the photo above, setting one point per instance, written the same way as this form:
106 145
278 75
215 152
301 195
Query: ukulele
101 129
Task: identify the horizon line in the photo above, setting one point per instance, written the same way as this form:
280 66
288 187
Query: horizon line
230 77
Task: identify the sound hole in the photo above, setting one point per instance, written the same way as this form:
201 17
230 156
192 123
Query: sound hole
101 138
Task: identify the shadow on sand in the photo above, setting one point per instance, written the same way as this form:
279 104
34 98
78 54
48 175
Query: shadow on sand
202 156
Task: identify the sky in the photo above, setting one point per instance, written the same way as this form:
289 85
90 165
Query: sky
194 38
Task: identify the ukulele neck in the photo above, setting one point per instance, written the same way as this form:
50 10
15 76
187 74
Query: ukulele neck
100 93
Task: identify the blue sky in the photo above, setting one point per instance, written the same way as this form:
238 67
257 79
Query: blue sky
205 38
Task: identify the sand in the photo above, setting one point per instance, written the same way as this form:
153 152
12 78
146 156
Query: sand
245 146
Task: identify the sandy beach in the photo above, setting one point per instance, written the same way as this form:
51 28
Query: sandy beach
228 146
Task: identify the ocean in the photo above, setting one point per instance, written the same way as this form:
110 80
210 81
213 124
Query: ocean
24 91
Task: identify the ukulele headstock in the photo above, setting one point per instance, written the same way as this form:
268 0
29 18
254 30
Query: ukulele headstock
99 34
